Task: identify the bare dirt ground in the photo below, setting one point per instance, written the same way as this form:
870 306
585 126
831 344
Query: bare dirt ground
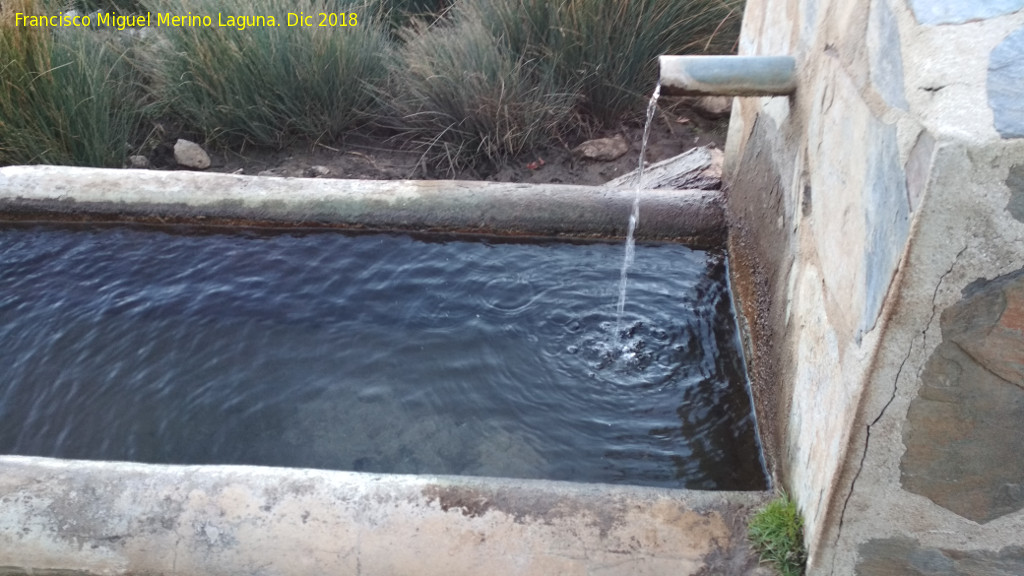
677 128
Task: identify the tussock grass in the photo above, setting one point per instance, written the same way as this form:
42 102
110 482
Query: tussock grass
609 48
67 96
777 534
401 13
500 76
469 81
465 96
268 86
613 45
528 27
119 6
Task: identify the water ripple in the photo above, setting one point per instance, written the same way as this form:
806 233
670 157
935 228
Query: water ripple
373 352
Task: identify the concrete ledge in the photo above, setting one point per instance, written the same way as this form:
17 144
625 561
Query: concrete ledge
88 194
78 517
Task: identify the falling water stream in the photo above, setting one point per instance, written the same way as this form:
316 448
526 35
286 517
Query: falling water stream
634 217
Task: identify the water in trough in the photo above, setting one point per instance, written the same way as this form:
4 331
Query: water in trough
380 353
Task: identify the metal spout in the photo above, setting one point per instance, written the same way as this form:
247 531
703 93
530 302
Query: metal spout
728 75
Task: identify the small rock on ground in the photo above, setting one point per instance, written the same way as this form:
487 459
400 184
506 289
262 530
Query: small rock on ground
317 171
713 107
190 155
604 149
138 161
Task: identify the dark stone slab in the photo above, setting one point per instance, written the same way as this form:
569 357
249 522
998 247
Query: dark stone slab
1005 78
964 434
906 557
1015 182
989 326
960 11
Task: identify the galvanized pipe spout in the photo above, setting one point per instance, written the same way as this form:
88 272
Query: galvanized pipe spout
728 75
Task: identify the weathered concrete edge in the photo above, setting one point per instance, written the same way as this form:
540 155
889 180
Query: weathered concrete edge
82 517
694 217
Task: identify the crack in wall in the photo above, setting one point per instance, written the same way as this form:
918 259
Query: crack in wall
892 398
174 557
935 295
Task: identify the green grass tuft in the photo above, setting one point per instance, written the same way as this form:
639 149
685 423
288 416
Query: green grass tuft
494 78
469 81
466 97
67 96
399 13
607 49
119 6
777 534
268 86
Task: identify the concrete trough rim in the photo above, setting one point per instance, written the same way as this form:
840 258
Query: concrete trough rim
73 194
73 517
697 497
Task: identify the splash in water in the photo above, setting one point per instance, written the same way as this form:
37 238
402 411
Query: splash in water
634 217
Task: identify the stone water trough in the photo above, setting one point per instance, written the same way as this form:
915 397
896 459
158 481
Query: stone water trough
64 517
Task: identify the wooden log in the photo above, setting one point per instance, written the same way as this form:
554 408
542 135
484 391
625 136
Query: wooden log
695 169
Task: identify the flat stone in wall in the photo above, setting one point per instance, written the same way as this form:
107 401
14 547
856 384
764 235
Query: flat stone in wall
887 219
960 11
886 56
965 429
990 326
906 557
1005 79
1015 182
840 177
808 20
919 168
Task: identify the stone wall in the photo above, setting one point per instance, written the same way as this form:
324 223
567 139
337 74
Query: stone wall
878 245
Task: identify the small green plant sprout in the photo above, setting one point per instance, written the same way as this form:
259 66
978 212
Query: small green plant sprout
776 532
